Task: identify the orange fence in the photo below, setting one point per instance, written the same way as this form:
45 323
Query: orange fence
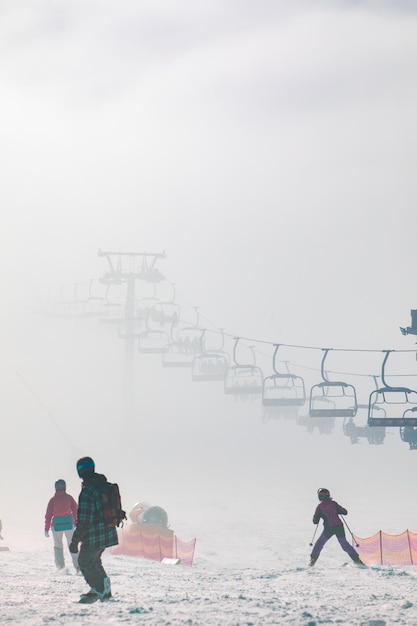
153 541
384 549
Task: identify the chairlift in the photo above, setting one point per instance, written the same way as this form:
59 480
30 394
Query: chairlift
85 305
164 313
112 310
187 338
175 356
283 390
183 347
331 398
70 304
243 380
153 341
93 302
210 364
399 404
144 306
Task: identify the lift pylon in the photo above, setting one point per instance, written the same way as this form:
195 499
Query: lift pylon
128 267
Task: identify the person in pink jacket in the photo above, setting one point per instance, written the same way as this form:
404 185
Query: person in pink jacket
61 518
329 511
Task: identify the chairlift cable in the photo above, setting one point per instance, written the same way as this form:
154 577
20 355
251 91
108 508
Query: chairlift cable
55 423
274 343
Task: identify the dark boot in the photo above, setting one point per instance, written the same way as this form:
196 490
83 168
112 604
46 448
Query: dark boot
356 559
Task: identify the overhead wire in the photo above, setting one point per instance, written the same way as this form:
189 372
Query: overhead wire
221 331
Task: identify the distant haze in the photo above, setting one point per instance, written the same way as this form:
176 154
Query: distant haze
270 149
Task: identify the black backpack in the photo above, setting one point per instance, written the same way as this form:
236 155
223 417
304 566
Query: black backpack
111 503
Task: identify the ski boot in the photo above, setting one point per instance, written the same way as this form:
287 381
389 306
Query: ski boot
91 596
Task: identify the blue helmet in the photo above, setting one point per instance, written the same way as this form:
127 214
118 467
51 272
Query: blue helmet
60 485
85 466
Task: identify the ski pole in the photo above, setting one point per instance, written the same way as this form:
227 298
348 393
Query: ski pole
311 542
347 526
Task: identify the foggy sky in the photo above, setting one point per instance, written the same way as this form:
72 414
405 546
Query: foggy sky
270 151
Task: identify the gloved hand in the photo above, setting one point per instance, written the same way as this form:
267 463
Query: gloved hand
73 547
46 533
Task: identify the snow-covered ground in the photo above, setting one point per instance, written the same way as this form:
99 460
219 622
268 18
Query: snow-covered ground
253 527
270 586
245 488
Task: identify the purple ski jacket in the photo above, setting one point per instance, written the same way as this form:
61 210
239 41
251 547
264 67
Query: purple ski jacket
328 510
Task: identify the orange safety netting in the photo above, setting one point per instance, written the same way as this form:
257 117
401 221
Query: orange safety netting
385 549
153 541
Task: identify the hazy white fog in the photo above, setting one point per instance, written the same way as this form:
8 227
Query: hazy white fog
270 149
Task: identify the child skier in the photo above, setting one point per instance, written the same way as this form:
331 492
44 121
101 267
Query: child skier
61 516
329 511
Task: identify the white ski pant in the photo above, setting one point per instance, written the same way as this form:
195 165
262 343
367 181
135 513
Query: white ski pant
58 536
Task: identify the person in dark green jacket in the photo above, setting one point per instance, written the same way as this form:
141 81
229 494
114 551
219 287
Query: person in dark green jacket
92 533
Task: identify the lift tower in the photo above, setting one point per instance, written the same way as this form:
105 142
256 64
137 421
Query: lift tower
127 268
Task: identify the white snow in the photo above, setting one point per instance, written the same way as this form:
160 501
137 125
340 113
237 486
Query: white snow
253 527
267 583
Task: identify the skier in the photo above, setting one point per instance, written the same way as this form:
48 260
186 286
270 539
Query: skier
60 516
92 532
329 511
2 548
